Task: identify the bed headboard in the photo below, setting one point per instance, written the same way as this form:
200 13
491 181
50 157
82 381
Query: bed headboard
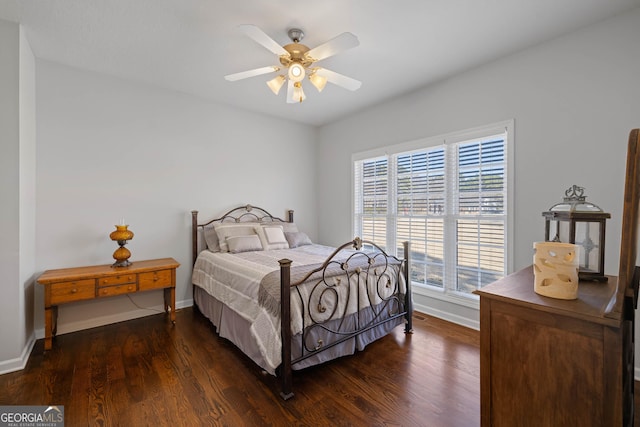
246 213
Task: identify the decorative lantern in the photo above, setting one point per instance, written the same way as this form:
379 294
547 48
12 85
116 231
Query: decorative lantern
574 220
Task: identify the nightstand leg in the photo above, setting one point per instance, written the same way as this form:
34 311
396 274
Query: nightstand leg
50 314
170 302
54 331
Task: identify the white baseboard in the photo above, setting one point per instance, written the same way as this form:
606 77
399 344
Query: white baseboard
20 362
449 317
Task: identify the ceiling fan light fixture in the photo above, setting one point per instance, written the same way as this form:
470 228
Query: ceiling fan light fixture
298 93
296 72
276 83
297 62
318 81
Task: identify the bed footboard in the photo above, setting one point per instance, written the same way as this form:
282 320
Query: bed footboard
367 286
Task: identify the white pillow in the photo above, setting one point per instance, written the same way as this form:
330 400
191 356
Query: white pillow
244 243
272 237
287 227
229 230
211 237
297 239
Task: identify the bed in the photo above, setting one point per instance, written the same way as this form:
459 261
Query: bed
289 303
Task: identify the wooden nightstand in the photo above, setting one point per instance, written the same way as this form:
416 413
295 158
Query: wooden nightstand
68 285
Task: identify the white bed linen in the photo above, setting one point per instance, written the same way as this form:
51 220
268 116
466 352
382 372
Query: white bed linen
234 279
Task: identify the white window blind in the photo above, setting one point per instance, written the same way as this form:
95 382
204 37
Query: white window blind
449 198
371 180
479 211
420 177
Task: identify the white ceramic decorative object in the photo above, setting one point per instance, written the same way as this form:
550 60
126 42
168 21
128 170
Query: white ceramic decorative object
555 267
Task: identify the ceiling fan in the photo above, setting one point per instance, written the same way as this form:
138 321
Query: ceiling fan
297 61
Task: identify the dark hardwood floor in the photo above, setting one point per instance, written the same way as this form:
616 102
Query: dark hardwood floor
148 372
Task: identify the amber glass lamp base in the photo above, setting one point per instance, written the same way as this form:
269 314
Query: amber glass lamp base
121 255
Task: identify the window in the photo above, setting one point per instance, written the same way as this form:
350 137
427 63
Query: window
449 197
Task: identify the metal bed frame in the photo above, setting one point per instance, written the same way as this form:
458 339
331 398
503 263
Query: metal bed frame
366 262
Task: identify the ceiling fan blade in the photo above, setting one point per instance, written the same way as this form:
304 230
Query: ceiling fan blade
334 46
262 38
251 73
339 79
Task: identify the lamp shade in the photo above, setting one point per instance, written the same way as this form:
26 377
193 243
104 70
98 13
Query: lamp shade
121 233
318 81
276 83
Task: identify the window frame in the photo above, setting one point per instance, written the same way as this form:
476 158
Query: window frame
481 133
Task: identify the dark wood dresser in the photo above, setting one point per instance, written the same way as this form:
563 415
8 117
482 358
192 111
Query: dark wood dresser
552 362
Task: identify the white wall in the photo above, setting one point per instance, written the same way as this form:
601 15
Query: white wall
9 190
17 193
27 190
574 101
109 148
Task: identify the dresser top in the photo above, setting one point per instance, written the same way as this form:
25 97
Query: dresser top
597 302
106 270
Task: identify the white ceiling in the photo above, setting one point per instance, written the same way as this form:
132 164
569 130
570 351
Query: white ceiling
189 45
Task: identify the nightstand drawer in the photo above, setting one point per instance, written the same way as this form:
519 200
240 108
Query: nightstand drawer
117 280
73 291
155 279
109 291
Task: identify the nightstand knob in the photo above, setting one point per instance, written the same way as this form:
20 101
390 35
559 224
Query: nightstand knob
74 290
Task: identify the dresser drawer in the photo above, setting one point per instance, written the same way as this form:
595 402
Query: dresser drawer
72 291
117 280
109 291
155 280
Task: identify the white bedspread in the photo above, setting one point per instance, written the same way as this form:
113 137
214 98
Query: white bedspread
234 279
